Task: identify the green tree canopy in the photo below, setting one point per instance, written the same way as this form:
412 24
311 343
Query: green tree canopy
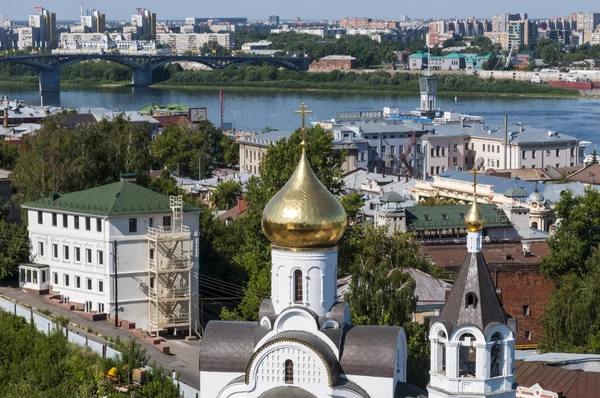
576 236
56 159
186 149
226 194
352 204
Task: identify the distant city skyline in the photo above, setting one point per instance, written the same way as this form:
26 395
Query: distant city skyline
309 9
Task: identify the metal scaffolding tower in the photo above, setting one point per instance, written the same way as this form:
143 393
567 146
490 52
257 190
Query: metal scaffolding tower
170 273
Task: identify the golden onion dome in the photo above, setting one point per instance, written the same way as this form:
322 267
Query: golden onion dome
474 219
304 214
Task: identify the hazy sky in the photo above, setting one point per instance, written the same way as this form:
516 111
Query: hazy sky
307 9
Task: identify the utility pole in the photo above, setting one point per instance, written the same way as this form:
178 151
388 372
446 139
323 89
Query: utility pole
505 140
116 284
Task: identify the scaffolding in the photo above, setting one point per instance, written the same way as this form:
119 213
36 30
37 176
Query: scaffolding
170 273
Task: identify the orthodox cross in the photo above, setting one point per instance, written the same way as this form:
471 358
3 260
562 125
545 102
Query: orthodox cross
303 112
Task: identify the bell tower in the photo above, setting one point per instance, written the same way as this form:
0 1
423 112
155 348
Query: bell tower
472 341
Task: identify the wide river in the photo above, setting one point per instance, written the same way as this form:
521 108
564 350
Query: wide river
253 110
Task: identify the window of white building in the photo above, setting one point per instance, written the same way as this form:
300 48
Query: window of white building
78 254
41 249
78 282
88 256
88 225
54 250
76 222
133 225
54 219
66 252
100 257
55 278
99 224
40 217
65 221
88 282
100 286
66 280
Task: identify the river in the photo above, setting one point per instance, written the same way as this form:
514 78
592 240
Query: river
253 110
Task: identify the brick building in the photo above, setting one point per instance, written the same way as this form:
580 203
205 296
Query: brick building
332 62
524 292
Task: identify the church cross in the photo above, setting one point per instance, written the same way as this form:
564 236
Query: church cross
474 181
303 112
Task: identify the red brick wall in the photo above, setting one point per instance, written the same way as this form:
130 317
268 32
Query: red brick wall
521 288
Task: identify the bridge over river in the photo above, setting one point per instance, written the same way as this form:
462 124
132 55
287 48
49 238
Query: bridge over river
49 65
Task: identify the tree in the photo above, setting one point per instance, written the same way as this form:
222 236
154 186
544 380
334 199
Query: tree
352 204
8 155
226 194
14 249
277 166
187 149
576 236
56 159
231 152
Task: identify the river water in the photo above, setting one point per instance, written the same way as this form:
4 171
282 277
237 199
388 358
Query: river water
253 110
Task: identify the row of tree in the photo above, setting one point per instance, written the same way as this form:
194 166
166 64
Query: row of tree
36 364
270 76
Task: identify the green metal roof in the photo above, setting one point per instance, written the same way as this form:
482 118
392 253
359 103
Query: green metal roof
516 192
167 107
426 218
392 197
116 199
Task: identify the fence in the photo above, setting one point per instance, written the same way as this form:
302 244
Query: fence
45 325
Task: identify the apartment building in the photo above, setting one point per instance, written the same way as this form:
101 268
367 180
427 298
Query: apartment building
183 42
460 146
118 238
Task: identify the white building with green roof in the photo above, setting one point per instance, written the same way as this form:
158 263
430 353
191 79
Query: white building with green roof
156 239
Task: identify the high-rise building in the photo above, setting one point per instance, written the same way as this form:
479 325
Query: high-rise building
45 22
145 21
100 21
274 20
588 20
500 21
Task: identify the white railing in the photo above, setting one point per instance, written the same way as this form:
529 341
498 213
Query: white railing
169 293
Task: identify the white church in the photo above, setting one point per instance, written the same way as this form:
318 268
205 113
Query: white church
304 344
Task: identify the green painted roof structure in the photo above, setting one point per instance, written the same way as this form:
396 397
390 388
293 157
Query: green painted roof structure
516 192
116 199
167 107
428 218
392 197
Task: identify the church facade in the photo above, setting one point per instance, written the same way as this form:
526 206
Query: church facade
304 344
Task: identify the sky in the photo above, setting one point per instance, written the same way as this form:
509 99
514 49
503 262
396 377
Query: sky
307 9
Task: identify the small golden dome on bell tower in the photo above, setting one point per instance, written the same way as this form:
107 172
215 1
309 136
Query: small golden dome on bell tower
474 219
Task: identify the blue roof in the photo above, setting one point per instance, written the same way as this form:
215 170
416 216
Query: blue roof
500 185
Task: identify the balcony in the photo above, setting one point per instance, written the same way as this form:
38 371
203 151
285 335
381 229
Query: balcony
169 293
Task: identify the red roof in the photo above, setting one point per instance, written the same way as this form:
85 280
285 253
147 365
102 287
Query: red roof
235 211
566 383
166 120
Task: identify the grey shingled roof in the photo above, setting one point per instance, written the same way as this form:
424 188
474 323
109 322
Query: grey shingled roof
370 350
473 277
227 346
287 392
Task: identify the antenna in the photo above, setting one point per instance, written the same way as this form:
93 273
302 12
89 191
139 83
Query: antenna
82 8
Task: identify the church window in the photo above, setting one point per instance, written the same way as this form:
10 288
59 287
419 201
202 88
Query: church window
527 335
298 291
471 300
526 311
467 356
289 372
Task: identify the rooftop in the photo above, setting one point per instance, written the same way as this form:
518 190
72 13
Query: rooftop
504 256
116 199
266 139
425 218
516 135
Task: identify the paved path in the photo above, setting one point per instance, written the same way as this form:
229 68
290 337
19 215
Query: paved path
183 358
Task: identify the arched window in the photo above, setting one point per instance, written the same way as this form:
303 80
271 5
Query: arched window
534 225
440 357
298 291
471 300
496 356
467 356
289 372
